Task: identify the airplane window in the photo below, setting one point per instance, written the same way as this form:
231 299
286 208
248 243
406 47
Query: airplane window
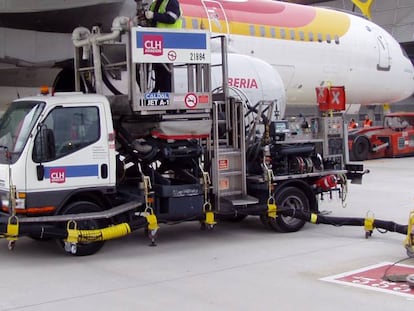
272 32
328 38
319 37
336 39
310 35
301 35
283 33
368 28
194 23
292 34
262 31
252 30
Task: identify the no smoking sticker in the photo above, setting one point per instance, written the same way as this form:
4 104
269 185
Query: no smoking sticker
191 100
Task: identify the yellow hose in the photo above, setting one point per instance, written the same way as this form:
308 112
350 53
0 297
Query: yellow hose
108 233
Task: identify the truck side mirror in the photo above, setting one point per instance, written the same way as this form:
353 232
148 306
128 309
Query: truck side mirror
40 172
44 149
44 145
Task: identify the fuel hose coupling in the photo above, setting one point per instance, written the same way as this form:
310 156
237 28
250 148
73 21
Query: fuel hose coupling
208 210
152 225
271 207
12 233
409 241
369 224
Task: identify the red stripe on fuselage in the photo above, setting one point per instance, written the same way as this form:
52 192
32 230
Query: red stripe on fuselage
256 12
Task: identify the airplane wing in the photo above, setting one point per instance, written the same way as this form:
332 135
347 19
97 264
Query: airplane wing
35 37
58 16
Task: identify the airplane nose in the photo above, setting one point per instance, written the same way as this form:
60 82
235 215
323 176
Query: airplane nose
411 69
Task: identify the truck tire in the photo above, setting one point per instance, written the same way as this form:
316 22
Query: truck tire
360 149
288 198
84 248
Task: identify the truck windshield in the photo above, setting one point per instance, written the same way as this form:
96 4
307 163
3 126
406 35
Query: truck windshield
399 122
15 127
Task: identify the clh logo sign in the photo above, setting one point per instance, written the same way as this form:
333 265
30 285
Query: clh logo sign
153 44
57 175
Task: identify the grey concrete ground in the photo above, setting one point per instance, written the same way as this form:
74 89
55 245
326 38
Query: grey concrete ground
235 267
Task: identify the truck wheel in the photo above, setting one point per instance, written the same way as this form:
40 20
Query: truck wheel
360 148
84 248
289 198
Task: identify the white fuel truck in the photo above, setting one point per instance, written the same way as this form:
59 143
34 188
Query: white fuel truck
84 168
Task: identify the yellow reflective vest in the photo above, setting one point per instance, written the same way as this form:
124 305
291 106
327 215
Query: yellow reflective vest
162 9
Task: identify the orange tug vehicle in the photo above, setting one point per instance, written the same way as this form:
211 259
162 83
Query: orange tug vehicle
394 139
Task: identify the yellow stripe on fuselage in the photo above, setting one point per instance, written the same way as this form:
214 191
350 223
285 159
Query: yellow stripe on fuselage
326 25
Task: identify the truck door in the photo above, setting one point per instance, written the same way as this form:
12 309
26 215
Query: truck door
216 16
80 157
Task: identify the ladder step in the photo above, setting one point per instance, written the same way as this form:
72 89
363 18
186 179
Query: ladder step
230 173
228 193
237 200
226 151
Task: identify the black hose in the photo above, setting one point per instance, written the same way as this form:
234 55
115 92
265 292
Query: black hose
55 232
343 221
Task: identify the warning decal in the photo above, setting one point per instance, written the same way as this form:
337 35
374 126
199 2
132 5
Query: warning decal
223 164
191 100
224 183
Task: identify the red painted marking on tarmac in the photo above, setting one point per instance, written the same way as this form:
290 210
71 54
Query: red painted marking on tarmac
371 277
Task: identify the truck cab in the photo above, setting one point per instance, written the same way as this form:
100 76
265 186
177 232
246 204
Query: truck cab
55 147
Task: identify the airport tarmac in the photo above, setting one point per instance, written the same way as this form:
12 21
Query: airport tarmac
237 266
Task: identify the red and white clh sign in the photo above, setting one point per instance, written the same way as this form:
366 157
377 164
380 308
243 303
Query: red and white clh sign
57 175
153 45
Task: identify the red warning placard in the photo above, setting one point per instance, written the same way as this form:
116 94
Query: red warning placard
223 164
372 277
224 183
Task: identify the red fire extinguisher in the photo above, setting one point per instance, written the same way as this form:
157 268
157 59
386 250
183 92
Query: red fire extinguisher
327 182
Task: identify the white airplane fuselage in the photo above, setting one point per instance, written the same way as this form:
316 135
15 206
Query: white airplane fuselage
367 61
325 47
312 46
